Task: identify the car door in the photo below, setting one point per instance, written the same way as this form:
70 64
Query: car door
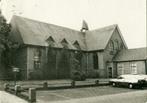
120 80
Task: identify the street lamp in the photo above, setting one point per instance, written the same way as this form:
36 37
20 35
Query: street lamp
15 71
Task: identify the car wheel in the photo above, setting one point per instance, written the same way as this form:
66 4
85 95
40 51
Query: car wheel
130 86
114 84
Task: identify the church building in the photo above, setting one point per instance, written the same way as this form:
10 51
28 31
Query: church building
49 51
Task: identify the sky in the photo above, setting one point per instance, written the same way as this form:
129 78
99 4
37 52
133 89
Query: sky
130 15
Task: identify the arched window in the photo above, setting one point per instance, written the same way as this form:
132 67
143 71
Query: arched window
95 61
37 58
117 45
111 46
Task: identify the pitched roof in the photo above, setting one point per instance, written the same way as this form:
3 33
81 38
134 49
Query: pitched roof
131 54
99 38
33 32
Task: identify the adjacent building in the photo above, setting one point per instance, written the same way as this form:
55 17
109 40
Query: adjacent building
131 61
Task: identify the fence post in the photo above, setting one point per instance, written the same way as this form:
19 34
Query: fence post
73 83
45 85
17 89
6 86
32 94
97 82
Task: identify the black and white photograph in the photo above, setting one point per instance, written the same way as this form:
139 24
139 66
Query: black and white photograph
73 51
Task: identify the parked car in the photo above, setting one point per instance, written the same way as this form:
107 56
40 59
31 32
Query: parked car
130 81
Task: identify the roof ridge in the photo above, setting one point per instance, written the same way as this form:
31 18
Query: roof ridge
137 48
44 22
43 30
105 27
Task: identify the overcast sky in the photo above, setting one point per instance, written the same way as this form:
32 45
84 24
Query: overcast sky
130 15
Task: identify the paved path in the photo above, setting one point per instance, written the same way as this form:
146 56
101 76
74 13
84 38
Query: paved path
67 94
130 97
139 96
8 98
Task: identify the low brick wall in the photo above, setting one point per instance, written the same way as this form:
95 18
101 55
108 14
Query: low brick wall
9 98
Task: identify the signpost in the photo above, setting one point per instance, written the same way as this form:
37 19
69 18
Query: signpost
15 71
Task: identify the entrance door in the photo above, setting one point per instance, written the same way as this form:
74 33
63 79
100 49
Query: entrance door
110 72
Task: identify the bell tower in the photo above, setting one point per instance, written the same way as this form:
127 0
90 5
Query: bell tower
84 26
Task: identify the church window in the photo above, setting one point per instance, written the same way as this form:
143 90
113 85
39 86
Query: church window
117 44
111 45
37 59
95 61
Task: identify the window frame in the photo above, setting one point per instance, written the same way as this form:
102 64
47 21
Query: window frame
117 44
37 58
120 66
133 67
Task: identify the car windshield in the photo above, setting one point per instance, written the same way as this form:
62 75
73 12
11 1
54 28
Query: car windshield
120 77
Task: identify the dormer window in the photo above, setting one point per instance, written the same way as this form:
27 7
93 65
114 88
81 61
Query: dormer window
50 41
76 45
64 43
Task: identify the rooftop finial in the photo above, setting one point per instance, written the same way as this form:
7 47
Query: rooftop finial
84 26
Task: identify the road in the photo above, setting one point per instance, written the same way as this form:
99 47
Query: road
129 97
101 94
92 93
